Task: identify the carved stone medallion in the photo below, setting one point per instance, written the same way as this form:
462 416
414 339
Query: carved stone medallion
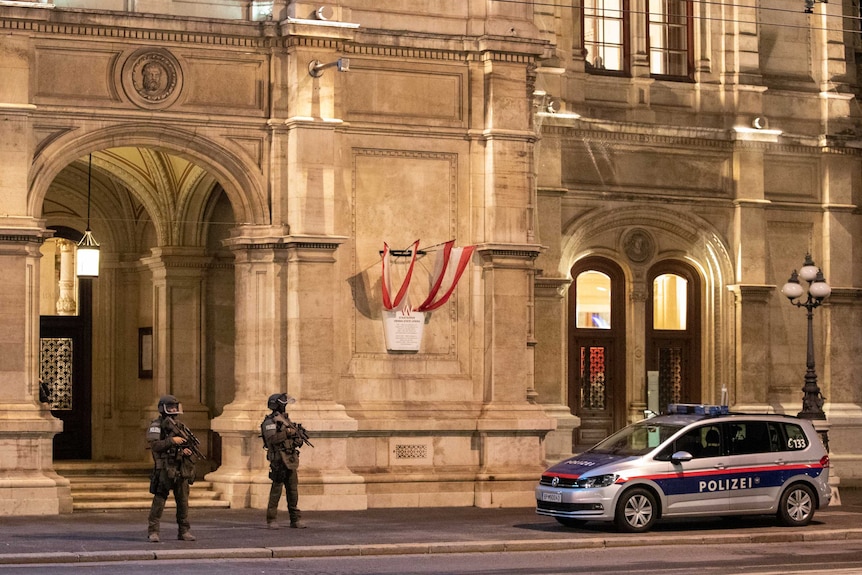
638 245
152 78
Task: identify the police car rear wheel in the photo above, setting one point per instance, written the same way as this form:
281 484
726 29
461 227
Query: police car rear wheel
797 505
636 511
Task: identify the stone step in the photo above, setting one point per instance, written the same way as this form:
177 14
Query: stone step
109 484
145 504
71 469
199 494
103 486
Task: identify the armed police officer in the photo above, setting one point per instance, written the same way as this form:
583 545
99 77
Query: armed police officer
173 447
282 439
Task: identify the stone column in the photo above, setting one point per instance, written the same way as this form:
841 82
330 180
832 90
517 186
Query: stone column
636 342
67 303
178 326
551 376
511 428
326 481
284 343
28 483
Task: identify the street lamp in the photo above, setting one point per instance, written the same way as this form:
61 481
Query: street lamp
818 290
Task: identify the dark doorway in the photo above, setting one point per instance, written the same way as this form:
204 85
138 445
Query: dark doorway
65 368
597 328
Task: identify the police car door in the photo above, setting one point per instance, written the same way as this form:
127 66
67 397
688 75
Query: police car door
694 486
754 471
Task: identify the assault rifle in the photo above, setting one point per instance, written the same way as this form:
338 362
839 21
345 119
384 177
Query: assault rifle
298 430
189 440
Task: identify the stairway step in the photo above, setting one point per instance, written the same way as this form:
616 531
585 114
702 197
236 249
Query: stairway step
145 504
103 486
122 485
135 494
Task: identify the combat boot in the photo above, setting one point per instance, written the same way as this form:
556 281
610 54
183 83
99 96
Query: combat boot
186 536
153 537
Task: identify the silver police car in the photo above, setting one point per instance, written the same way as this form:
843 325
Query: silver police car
696 460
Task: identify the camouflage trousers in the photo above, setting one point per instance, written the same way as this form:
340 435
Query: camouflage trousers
180 487
283 478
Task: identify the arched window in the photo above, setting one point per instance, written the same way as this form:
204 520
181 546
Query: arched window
673 332
593 306
670 302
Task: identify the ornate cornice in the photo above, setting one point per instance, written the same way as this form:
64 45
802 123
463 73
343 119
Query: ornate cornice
20 238
66 24
752 293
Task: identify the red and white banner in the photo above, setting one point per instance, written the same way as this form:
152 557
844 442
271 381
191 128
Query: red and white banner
451 263
398 302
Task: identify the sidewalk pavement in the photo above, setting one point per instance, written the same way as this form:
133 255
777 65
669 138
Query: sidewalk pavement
241 533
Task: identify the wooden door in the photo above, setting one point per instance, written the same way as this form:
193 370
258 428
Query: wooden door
596 386
65 366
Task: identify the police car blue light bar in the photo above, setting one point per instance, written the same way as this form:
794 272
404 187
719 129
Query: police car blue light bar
697 409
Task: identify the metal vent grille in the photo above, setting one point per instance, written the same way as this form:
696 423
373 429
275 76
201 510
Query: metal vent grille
411 451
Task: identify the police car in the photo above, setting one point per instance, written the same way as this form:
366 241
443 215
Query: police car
696 460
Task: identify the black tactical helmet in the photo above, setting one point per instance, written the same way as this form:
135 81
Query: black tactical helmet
278 401
169 405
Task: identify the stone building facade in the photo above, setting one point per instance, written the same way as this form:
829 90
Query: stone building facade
639 179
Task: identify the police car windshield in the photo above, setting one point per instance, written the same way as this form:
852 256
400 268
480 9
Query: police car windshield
637 439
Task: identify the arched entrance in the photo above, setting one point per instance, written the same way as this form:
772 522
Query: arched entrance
597 333
159 318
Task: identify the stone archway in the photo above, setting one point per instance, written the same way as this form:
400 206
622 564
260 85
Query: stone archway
240 179
161 219
666 234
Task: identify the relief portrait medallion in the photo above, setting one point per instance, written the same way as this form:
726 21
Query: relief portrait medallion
638 245
152 78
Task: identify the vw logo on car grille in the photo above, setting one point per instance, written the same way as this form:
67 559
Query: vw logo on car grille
555 481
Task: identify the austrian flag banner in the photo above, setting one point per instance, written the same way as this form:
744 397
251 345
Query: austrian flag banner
451 263
390 303
402 324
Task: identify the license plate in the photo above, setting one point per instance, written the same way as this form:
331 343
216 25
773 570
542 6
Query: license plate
552 497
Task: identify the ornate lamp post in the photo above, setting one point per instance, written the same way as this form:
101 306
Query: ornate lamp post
818 290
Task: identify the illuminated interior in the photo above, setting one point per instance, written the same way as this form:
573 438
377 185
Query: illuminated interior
669 302
593 306
58 283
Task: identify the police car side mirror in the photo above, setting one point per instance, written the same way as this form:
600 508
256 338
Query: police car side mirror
681 456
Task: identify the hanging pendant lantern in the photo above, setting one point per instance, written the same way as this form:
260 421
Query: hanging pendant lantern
87 255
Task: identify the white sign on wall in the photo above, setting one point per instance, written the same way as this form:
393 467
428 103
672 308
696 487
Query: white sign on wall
403 330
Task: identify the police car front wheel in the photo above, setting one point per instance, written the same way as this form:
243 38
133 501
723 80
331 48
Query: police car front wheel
636 511
797 504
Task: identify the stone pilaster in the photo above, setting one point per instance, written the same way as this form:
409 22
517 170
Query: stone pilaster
284 343
178 295
261 293
311 377
551 374
753 346
28 483
510 428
